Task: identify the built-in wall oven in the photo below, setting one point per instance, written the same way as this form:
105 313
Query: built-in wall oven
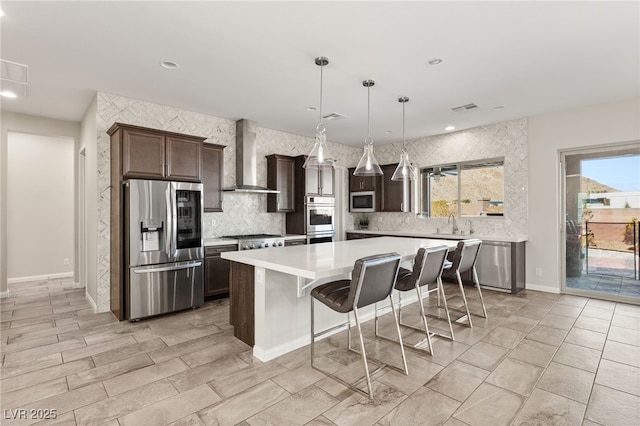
320 219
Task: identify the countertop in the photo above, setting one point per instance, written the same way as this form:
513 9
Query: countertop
440 236
210 242
325 260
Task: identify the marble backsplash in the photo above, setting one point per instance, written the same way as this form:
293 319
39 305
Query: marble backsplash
507 139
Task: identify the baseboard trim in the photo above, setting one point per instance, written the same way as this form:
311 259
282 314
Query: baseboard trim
91 301
4 294
78 285
542 288
40 277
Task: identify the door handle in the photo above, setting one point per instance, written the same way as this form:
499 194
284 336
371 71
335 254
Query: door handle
166 268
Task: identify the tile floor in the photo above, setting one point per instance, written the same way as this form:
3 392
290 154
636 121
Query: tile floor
540 359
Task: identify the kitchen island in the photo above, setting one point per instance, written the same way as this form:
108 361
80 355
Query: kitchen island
269 296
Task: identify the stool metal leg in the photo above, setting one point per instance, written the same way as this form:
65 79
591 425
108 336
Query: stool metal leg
313 332
395 317
477 283
424 319
446 308
464 298
364 355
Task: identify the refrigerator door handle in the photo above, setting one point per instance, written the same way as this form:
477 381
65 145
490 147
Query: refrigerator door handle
171 219
152 269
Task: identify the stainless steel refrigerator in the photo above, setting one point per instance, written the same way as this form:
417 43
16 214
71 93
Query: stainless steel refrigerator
163 247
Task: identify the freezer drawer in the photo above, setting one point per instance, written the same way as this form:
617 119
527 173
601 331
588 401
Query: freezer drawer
163 288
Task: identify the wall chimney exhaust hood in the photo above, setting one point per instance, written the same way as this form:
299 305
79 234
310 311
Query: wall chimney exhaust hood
246 160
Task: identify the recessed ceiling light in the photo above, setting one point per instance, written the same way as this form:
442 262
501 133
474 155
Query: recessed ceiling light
311 108
449 128
169 65
434 61
8 94
388 131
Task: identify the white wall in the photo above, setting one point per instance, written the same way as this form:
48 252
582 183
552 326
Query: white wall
40 206
89 141
548 135
22 123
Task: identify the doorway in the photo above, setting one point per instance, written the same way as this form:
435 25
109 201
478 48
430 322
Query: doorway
600 211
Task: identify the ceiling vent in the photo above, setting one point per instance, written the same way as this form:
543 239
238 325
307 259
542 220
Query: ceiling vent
334 116
463 108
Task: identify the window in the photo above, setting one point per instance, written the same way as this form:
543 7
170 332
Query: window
474 188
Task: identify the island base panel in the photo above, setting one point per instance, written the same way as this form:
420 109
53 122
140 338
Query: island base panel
242 299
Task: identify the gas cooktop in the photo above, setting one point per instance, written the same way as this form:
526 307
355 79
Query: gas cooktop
256 241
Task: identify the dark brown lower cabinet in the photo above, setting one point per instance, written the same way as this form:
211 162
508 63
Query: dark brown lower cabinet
216 270
242 302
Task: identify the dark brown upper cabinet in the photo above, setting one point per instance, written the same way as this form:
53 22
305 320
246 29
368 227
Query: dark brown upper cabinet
212 176
154 154
363 183
392 190
281 176
319 181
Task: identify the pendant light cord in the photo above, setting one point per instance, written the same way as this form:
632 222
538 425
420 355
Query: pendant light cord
368 141
404 144
321 69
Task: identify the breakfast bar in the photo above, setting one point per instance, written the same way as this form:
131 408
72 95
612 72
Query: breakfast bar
269 294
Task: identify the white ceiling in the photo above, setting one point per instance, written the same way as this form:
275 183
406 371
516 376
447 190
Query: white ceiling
255 60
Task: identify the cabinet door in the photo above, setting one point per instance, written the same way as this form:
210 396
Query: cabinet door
392 191
216 276
281 176
326 181
312 181
362 183
212 177
183 158
143 154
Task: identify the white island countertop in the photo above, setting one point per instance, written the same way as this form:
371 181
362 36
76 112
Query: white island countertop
316 261
456 237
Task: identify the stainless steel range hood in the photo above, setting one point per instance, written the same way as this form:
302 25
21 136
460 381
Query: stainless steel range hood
246 160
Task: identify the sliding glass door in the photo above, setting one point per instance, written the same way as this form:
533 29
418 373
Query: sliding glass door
601 208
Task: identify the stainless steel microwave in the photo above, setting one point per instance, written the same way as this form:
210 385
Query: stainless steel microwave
362 202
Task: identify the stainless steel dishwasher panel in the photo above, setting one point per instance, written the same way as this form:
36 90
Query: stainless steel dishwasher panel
494 265
163 288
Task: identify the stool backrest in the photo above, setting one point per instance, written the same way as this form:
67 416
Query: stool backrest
428 264
466 254
373 278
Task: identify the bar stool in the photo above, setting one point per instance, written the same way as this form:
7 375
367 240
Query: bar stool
464 259
427 269
372 280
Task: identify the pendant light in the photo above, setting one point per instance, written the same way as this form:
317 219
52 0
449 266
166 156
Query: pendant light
319 154
368 165
404 170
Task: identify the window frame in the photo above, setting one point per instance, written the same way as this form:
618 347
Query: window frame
424 194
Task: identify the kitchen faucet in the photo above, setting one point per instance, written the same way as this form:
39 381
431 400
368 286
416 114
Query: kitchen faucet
454 226
471 230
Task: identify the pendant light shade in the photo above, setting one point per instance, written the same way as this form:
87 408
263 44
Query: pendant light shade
404 171
319 155
368 165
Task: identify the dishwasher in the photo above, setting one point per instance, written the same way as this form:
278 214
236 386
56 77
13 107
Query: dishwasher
500 266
